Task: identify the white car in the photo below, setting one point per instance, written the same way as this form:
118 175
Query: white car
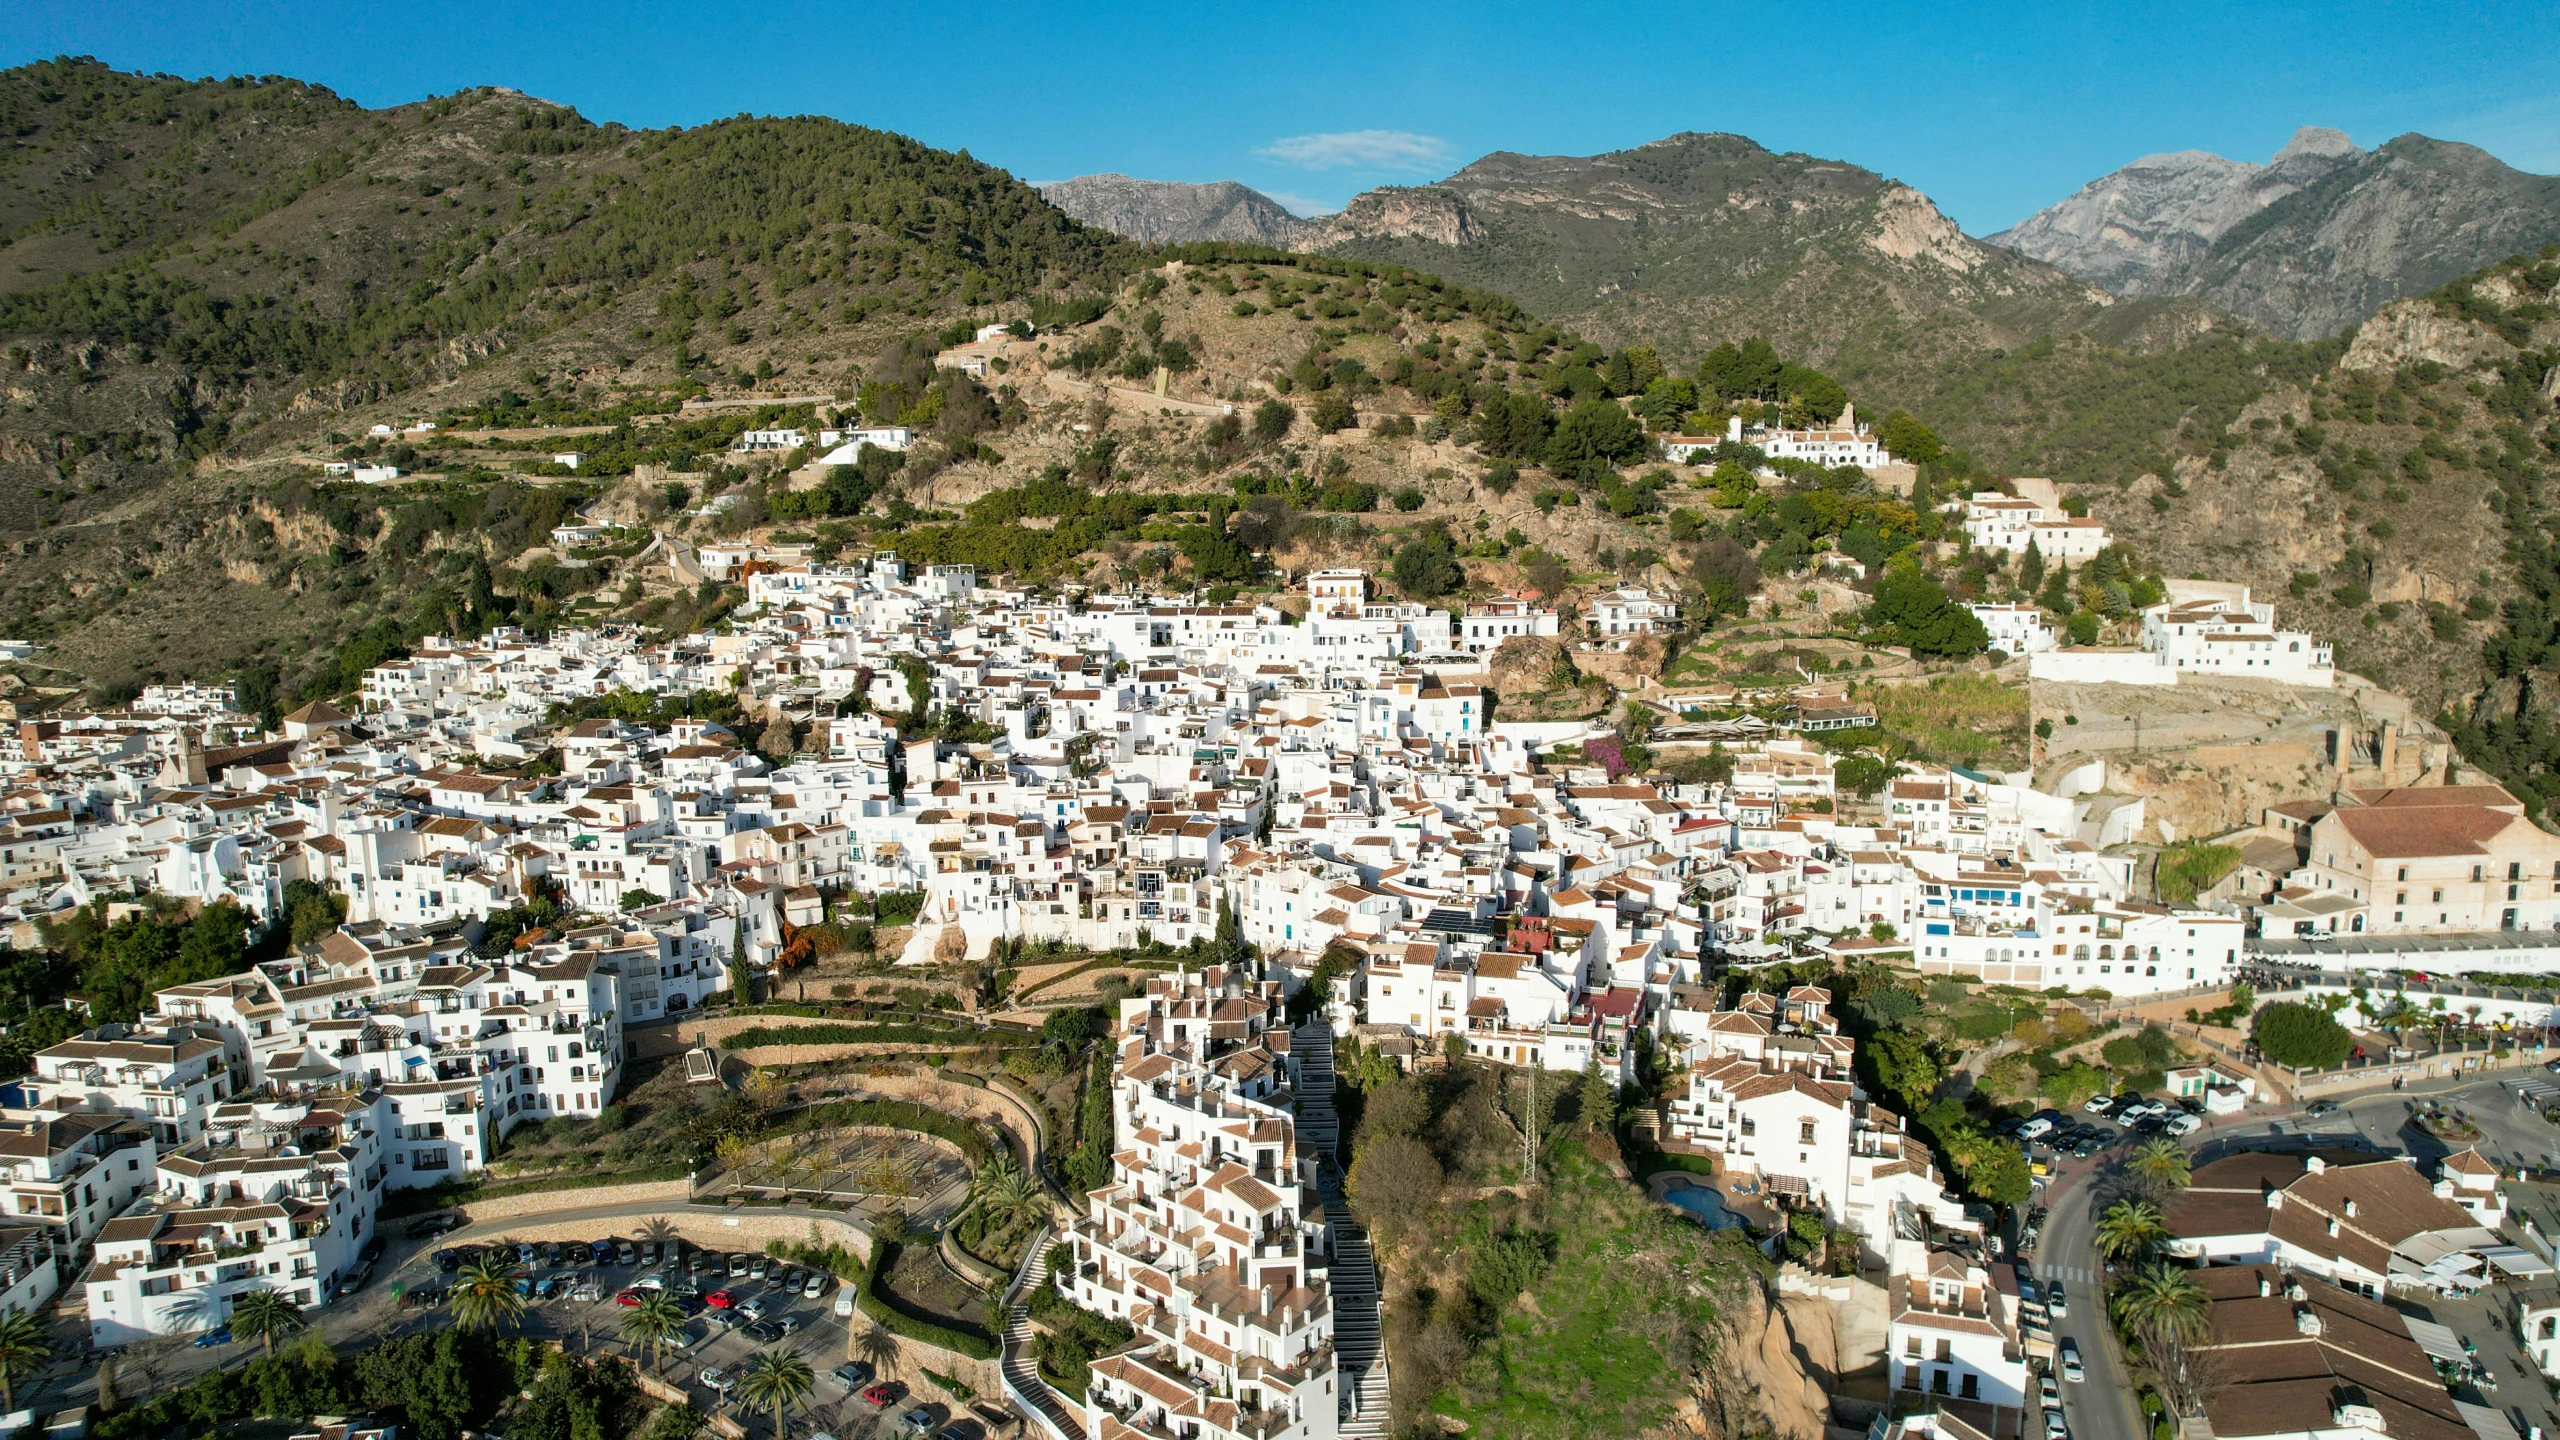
2049 1391
2035 1129
2183 1125
2054 1429
716 1379
2054 1302
2097 1104
2071 1370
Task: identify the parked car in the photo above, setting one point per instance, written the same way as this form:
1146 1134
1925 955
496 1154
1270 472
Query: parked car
2035 1129
432 1226
2054 1428
752 1309
448 1259
738 1265
524 1252
786 1324
918 1421
2049 1390
627 1297
716 1379
844 1303
884 1394
720 1299
602 1250
853 1374
2182 1125
626 1254
763 1332
759 1267
218 1335
698 1261
2097 1105
814 1286
2071 1368
651 1281
2055 1302
648 1252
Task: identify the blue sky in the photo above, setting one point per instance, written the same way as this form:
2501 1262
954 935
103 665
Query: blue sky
1993 110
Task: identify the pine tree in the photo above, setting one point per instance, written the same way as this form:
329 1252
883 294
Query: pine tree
2031 569
1599 1098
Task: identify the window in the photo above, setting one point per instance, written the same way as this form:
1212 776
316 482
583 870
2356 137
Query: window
1804 1133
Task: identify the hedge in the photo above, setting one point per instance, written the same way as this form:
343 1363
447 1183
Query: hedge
840 1033
463 1192
966 1133
877 1303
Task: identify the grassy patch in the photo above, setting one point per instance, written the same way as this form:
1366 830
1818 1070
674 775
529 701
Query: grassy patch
1968 719
1604 1343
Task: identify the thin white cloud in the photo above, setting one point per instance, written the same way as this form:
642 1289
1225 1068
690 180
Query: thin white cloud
1359 149
1304 207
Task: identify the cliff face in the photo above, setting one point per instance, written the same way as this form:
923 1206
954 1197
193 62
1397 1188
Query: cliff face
2140 230
2316 240
1428 213
1170 212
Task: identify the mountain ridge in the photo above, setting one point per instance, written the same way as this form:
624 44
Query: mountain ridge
2319 239
1174 212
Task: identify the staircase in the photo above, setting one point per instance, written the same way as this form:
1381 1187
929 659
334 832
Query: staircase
1030 1394
1358 1345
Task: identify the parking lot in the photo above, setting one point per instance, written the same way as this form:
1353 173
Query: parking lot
575 1299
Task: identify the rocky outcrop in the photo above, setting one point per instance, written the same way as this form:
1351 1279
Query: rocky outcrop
2409 331
1165 212
2316 240
2141 229
1429 213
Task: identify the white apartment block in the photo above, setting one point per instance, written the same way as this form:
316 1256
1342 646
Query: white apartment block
2016 629
1488 623
1207 1240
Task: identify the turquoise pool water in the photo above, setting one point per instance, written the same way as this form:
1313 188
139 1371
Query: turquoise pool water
1707 1206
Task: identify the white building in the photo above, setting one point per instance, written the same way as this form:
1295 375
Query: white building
1488 623
1207 1241
2016 629
2216 629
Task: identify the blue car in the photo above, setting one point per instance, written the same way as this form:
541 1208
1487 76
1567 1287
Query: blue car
218 1335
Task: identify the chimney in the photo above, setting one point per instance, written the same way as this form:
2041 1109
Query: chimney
2266 1287
2313 1165
2333 1225
2306 1321
2351 1207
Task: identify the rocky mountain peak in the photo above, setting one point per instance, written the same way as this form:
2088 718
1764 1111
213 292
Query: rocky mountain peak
1172 212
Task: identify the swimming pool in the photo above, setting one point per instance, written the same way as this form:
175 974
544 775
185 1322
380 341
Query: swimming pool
1707 1205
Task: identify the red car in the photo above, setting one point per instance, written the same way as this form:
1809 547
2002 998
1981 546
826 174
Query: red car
720 1299
627 1297
885 1393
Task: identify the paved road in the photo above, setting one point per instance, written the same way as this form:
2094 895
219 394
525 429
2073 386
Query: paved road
2101 1407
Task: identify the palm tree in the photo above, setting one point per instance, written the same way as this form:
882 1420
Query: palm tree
2131 1230
22 1349
653 1322
1003 1193
484 1294
2160 1165
775 1376
262 1315
2169 1311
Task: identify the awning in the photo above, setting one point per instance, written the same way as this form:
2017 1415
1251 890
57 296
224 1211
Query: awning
2514 1260
2438 1341
2486 1423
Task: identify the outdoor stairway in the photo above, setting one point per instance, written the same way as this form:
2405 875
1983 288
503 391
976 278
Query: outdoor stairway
1031 1394
1357 1341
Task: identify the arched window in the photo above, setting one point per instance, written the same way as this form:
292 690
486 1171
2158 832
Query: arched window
2080 952
2106 952
2359 923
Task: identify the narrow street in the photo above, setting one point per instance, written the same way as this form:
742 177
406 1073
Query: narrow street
2101 1407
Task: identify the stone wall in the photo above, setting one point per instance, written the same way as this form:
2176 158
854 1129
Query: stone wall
709 1228
504 1207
